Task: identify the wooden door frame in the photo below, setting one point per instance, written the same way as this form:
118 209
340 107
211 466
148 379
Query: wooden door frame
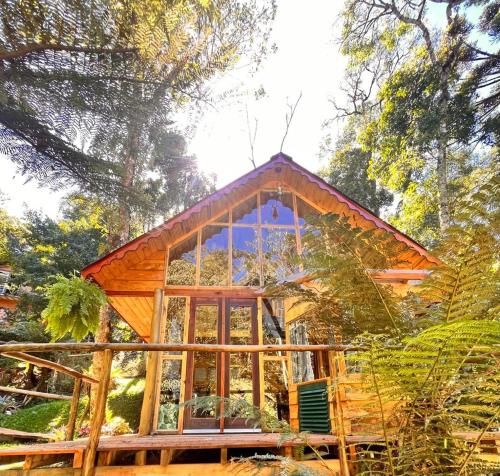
222 363
189 421
239 423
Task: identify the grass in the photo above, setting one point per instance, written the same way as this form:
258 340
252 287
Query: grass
125 401
41 418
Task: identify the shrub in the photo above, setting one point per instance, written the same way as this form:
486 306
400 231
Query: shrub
127 405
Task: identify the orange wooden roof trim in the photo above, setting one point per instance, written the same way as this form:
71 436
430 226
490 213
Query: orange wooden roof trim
275 160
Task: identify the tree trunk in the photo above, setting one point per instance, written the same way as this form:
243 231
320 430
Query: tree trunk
442 160
103 334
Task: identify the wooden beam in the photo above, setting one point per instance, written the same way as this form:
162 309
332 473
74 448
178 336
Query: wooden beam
32 359
73 411
99 414
150 386
133 346
32 393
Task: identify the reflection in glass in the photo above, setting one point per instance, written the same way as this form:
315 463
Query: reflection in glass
214 257
276 390
304 211
246 212
174 322
168 413
279 249
302 362
273 320
276 208
205 363
182 262
245 257
241 370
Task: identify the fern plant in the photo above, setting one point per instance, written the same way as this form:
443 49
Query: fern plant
436 394
73 307
342 259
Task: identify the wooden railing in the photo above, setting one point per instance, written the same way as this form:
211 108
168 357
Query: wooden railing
78 377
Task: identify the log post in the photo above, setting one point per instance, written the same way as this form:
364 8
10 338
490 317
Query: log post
339 418
98 415
73 411
152 369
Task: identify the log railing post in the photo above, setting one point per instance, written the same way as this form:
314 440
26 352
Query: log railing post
98 416
333 364
152 369
73 411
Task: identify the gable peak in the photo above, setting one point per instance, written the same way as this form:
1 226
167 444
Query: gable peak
280 155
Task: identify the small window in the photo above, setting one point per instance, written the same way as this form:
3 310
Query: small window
273 319
182 262
174 322
276 390
170 390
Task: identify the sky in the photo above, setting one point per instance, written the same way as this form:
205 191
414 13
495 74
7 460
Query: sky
307 61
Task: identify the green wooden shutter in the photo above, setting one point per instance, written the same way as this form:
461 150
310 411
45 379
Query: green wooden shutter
313 408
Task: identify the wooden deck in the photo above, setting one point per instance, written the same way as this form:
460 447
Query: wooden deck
36 454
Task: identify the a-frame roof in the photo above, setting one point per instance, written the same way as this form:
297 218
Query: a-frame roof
145 254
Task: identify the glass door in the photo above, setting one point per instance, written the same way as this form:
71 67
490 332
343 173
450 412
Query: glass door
242 368
231 375
203 379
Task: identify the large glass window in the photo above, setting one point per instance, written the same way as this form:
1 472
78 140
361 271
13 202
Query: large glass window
250 245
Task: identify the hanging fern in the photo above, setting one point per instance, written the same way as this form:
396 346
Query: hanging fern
73 307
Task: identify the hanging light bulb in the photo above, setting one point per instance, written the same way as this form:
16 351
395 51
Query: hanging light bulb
274 212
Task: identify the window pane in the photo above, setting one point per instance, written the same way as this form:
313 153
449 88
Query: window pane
214 257
240 363
205 363
305 211
276 208
302 362
276 390
182 263
245 257
246 213
174 325
273 316
279 250
170 389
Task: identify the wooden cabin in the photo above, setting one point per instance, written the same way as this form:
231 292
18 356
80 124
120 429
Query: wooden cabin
200 278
